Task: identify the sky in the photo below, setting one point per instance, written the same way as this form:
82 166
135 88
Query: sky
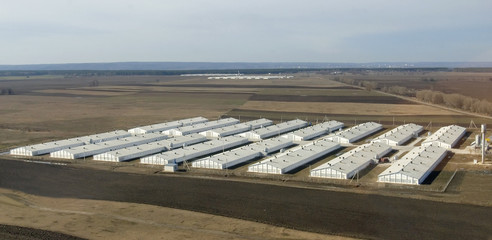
80 31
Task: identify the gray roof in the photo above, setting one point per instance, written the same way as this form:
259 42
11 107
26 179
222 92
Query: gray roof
133 152
400 134
350 162
275 130
245 153
315 130
200 127
417 163
194 151
357 132
294 157
449 135
159 127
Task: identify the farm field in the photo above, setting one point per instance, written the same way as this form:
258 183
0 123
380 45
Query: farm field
52 108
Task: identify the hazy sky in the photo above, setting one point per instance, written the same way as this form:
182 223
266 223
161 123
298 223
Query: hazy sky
72 31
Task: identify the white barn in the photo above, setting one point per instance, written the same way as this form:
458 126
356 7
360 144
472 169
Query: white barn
415 166
350 163
291 159
194 151
200 127
355 133
240 155
49 147
446 137
274 130
133 152
314 131
167 125
400 134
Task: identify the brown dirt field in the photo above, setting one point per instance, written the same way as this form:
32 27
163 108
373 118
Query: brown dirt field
95 219
337 99
346 108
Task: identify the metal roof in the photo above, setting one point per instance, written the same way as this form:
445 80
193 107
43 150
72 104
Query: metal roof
259 123
448 135
400 134
314 131
200 127
274 130
417 163
352 161
48 147
227 130
294 157
355 133
133 152
243 154
159 127
92 149
194 151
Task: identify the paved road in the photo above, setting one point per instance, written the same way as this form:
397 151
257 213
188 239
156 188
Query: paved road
348 214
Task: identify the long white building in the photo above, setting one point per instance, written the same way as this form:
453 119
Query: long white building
240 155
134 152
314 131
293 158
446 137
415 166
194 151
200 127
350 163
97 148
356 133
49 147
167 125
237 128
400 134
274 130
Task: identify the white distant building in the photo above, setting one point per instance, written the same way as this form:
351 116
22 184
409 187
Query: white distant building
314 131
291 159
400 134
350 163
355 133
49 147
200 127
415 166
446 137
237 128
167 125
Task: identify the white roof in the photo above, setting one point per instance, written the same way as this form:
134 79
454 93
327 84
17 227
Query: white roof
168 125
228 130
87 150
315 130
277 129
197 150
355 158
447 135
259 123
200 127
357 132
417 162
158 146
400 133
297 156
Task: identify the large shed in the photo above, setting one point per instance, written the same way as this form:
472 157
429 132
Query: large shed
49 147
350 163
167 125
314 131
446 137
240 155
194 151
400 134
291 159
355 133
274 130
237 128
133 152
197 128
97 148
415 166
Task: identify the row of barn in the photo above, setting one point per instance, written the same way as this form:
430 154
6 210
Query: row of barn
226 143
